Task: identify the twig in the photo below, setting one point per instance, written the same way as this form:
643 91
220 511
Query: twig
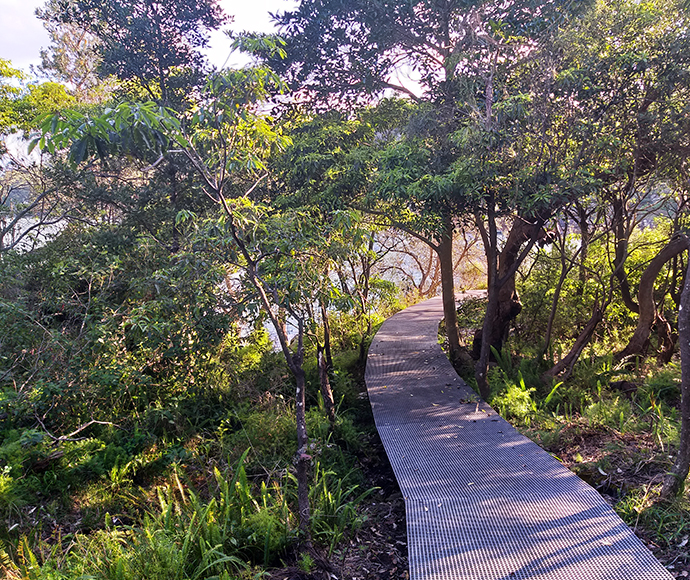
70 436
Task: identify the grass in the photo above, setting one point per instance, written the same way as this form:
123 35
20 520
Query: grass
211 495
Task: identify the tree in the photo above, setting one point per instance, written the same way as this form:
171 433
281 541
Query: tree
227 143
155 44
674 480
72 57
21 104
621 72
464 61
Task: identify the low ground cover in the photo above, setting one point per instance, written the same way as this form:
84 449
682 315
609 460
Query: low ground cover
615 425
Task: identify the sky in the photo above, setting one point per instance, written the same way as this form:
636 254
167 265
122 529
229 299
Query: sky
23 34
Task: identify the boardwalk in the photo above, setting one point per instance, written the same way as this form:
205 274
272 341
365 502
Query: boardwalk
482 501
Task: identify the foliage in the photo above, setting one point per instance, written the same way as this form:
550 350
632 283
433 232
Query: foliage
21 103
156 44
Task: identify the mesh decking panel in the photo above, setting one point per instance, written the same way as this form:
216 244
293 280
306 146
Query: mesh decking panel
482 501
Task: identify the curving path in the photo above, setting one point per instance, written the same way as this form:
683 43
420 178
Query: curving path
482 501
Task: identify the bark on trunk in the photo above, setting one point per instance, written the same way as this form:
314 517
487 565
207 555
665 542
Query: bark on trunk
667 344
622 254
675 479
509 305
645 297
302 458
450 313
569 360
324 381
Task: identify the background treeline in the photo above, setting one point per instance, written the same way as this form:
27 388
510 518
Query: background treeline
192 263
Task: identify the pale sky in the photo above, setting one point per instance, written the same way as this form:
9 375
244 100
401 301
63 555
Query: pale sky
23 35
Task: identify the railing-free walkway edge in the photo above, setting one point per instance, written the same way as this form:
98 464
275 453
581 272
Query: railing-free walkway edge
482 501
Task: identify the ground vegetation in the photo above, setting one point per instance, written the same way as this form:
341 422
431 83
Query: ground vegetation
182 347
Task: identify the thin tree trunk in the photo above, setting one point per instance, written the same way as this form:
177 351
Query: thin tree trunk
450 313
294 362
489 238
569 360
674 480
554 307
645 297
584 247
302 458
326 336
622 254
324 381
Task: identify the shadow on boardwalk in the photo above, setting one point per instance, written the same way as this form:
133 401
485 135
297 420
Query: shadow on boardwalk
482 501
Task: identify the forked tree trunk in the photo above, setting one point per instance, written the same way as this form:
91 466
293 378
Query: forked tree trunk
674 480
503 303
645 297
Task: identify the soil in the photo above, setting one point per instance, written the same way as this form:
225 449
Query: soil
614 464
377 550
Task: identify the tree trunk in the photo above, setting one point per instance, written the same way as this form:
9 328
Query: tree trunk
622 253
674 480
302 458
324 381
569 360
450 313
645 297
510 258
489 238
554 308
326 336
482 366
584 247
666 342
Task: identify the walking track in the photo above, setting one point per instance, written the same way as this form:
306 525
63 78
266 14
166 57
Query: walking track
482 501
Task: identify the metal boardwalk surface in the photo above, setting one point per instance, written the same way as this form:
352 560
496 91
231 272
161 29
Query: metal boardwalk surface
482 501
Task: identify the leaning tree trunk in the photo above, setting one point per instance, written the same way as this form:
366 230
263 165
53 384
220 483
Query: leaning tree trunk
565 270
295 361
675 479
621 255
568 361
645 297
